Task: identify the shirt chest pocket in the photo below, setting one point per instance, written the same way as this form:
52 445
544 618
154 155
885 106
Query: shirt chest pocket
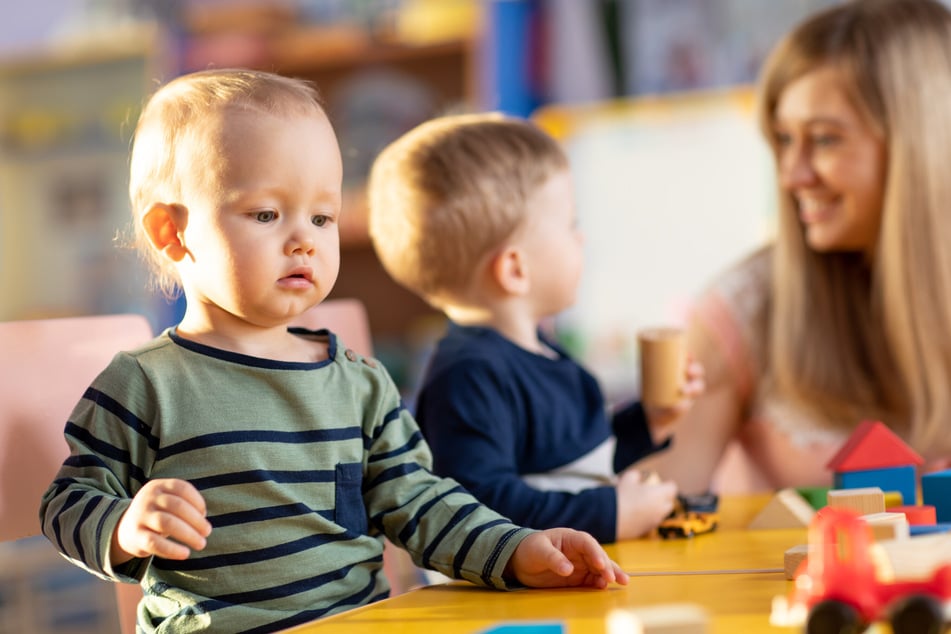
349 510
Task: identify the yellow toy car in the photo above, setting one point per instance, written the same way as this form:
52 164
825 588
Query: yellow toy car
684 521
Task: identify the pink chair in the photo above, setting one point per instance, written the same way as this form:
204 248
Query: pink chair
45 366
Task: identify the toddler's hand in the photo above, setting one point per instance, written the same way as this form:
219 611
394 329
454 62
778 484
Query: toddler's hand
695 385
166 518
641 503
563 557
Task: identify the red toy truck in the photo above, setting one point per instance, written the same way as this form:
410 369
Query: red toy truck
840 587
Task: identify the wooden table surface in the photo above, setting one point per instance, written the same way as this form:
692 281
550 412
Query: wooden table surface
733 573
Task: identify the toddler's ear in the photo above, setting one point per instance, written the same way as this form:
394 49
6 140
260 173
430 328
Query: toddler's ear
164 224
510 271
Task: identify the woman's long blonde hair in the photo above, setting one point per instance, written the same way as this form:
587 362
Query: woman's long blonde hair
852 339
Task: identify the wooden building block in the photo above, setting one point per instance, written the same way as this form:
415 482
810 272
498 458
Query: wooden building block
901 479
671 618
893 498
936 491
918 557
816 496
872 445
927 529
916 515
887 525
792 558
786 509
864 501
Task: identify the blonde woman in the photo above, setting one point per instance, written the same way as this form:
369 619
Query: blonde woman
847 316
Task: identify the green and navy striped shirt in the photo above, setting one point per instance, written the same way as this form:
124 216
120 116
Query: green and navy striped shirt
304 468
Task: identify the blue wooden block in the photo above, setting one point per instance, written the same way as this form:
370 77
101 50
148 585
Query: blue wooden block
901 479
548 627
928 529
936 491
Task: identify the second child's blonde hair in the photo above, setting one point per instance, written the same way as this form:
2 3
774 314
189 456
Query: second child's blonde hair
447 194
174 131
879 333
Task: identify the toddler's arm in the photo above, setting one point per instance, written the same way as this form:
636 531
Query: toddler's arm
563 557
475 435
166 518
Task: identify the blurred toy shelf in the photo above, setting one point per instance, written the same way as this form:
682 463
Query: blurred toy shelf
321 48
65 112
133 40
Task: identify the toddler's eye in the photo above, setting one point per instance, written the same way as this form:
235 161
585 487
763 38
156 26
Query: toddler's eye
319 221
265 216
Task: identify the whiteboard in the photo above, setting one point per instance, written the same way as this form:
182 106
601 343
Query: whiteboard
670 190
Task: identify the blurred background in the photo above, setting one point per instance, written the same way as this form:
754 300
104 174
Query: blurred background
652 99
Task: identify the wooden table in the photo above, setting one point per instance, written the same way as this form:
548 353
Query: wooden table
733 573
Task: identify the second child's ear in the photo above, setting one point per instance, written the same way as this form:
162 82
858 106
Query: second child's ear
510 271
164 224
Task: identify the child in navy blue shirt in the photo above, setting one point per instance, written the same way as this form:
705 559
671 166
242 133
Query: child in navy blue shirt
475 214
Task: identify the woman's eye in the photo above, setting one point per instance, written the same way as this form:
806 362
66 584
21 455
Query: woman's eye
319 221
824 140
265 216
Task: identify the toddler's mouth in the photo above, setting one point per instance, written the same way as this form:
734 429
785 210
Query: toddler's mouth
301 273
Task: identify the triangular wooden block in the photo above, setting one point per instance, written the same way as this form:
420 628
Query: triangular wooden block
786 509
873 446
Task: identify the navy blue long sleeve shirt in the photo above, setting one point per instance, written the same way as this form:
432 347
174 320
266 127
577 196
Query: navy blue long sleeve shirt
492 412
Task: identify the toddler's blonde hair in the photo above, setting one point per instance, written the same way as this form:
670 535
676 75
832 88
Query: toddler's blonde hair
450 192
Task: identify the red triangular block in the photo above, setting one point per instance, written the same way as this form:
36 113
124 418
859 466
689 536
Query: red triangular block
873 446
